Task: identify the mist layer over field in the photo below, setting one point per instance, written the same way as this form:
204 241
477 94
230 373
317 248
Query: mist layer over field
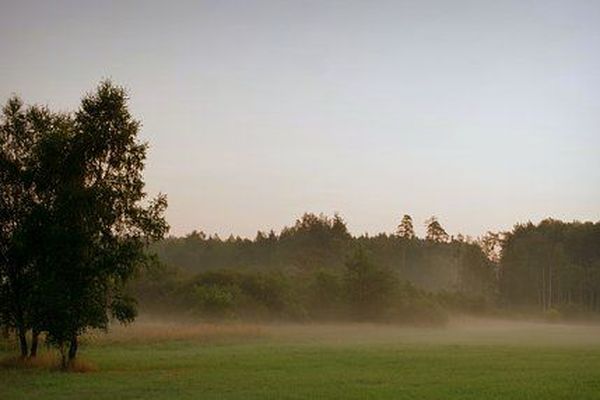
459 331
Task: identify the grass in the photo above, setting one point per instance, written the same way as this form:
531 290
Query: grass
468 361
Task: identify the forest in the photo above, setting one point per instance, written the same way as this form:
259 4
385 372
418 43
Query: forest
315 269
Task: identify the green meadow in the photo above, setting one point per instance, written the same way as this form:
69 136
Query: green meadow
467 360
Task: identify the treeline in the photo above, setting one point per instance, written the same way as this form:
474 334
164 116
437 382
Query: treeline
360 291
305 271
314 242
552 266
316 270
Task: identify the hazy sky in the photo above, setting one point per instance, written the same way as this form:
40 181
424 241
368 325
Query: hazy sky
483 113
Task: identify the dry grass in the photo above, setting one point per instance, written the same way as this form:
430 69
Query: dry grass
149 331
48 361
82 366
43 361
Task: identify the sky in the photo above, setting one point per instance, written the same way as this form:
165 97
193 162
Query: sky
483 113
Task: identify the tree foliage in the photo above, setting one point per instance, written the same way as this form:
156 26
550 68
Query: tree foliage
552 265
435 231
406 229
79 212
319 243
368 286
22 129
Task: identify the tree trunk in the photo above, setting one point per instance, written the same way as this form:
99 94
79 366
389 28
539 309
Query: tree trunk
73 349
543 291
34 343
550 286
543 288
63 356
19 315
22 341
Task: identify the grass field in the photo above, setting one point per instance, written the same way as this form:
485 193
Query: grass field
468 360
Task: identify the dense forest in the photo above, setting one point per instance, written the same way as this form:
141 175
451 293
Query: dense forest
317 269
552 265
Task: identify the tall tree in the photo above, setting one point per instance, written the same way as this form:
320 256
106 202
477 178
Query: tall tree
491 245
22 132
435 232
103 214
16 142
406 229
75 219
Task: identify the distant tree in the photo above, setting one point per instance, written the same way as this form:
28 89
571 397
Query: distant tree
260 237
551 265
491 245
368 286
338 227
325 293
406 230
435 232
315 241
476 274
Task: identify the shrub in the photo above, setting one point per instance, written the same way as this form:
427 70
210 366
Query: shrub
462 302
217 300
324 294
369 288
421 310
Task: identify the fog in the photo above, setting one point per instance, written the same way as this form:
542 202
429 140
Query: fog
458 331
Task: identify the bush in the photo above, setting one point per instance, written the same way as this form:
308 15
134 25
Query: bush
462 302
369 288
245 294
269 290
363 291
420 310
324 295
217 300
